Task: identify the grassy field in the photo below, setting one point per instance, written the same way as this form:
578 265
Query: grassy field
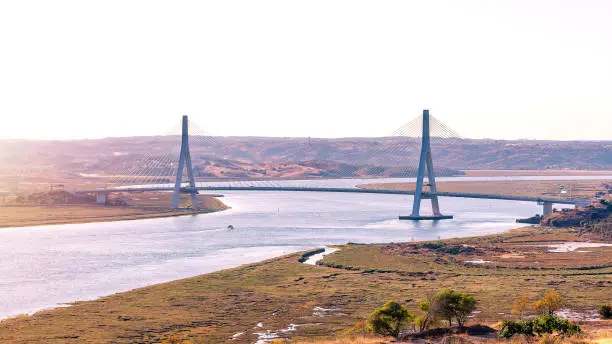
324 301
550 188
140 206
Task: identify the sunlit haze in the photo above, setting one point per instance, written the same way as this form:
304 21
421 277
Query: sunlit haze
497 69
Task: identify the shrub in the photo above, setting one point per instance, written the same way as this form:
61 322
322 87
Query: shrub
390 319
605 311
573 329
433 245
510 327
544 324
547 323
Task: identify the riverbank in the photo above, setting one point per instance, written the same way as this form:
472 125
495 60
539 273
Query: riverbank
283 297
585 189
142 206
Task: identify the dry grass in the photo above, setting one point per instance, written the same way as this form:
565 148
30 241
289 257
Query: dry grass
599 332
550 188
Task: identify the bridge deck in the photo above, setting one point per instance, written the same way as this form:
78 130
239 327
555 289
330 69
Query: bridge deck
349 190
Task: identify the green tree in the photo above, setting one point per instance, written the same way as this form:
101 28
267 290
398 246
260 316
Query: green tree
464 306
442 302
454 305
390 319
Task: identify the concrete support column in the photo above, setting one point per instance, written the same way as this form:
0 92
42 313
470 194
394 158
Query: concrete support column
416 205
547 208
101 197
185 161
425 162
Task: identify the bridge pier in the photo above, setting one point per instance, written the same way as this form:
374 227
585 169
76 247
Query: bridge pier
101 197
547 208
185 161
425 162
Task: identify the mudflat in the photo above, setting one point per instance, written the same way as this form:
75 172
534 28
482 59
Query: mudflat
140 206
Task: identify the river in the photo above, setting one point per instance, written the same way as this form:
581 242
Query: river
46 266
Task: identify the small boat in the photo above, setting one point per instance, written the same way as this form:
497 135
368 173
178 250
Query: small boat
230 227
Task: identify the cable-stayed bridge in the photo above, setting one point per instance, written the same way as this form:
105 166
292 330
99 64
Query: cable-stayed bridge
192 168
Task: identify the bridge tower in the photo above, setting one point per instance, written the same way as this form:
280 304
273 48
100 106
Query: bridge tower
425 162
185 161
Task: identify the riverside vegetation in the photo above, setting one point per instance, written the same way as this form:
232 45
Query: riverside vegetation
303 302
393 319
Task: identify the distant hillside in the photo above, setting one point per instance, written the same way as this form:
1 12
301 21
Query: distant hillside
233 157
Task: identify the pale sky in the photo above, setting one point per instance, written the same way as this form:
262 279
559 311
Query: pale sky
321 68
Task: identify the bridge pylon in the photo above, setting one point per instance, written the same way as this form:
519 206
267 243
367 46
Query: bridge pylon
185 161
425 162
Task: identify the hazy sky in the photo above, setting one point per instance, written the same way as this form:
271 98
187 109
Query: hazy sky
499 69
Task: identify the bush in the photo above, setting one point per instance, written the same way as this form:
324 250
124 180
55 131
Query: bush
543 324
390 319
549 323
510 327
433 245
605 311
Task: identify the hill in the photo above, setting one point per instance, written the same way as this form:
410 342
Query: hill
271 157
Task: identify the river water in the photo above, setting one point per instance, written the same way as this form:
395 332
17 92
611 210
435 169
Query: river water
45 266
